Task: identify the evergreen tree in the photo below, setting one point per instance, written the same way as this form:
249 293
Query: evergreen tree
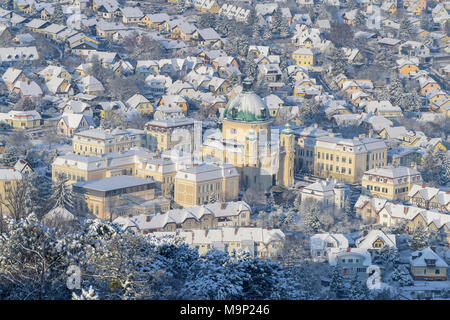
360 19
387 257
10 156
267 34
396 90
62 195
181 6
352 4
339 62
251 68
406 29
252 18
58 16
277 20
284 29
256 35
436 168
207 20
402 275
337 288
419 239
358 290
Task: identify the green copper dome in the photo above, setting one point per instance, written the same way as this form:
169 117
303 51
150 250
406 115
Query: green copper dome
246 107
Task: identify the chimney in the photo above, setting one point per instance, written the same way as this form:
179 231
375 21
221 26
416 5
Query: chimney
147 218
405 210
236 231
447 191
395 202
423 186
223 206
182 81
269 228
348 249
359 112
166 75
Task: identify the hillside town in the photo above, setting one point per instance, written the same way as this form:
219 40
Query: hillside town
221 150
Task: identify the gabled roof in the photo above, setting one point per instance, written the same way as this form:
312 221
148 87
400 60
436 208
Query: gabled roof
419 258
372 236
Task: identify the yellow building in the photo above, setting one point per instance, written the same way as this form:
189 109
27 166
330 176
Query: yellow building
206 183
22 119
427 265
407 68
177 100
8 182
103 195
137 162
247 141
304 148
95 142
170 129
205 216
303 57
347 159
389 182
141 104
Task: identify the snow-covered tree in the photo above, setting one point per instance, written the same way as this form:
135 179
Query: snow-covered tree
396 90
360 19
267 34
181 6
337 287
358 290
275 220
387 257
309 217
419 238
262 219
252 18
10 156
284 29
62 195
402 275
217 279
58 16
406 29
339 62
436 168
88 294
207 20
277 20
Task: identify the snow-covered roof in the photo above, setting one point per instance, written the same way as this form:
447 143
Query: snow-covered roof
227 235
9 174
113 183
426 257
207 172
367 241
178 216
